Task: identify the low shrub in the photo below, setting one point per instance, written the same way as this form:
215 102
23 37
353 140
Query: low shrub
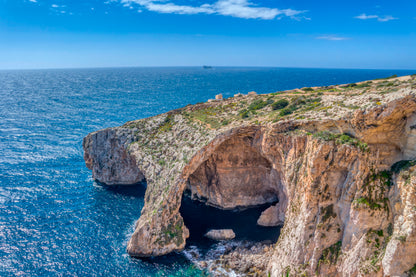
244 113
351 85
280 104
364 85
341 139
257 105
285 111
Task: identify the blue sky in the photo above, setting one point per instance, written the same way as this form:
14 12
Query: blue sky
296 33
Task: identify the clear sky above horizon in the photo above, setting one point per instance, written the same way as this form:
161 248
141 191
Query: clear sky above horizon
298 33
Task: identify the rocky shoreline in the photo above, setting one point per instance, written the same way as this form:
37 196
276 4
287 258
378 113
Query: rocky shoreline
338 159
235 258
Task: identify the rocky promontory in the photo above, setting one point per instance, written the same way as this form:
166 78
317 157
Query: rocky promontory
337 160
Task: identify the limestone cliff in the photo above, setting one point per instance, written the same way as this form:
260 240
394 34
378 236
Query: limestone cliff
337 159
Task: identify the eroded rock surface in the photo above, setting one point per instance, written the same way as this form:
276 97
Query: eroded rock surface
235 175
328 163
108 159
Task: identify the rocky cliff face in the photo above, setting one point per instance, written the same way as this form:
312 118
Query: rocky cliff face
336 160
108 158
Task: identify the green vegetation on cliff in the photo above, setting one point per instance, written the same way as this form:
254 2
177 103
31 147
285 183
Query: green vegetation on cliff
308 104
341 139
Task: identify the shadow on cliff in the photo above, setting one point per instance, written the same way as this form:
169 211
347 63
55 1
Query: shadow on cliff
136 190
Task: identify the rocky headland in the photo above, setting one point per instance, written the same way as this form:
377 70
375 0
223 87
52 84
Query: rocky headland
339 161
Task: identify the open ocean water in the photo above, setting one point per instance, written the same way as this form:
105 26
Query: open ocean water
54 220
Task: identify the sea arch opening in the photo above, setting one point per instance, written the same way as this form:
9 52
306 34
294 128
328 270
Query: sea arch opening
232 186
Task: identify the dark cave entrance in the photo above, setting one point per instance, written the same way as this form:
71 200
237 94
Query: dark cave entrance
230 190
199 218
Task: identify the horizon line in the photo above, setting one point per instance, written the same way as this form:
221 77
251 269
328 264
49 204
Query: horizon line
201 66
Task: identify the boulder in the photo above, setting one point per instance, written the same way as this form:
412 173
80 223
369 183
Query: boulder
220 234
272 216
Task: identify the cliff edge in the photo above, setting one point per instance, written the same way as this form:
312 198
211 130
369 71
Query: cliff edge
338 159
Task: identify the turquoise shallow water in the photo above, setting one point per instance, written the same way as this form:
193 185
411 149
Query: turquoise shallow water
54 220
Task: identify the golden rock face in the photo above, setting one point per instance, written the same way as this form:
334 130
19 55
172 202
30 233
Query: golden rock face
328 163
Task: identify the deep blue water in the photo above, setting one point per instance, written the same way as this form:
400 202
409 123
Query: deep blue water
54 220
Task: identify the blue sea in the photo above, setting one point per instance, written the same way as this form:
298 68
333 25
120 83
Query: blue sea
54 220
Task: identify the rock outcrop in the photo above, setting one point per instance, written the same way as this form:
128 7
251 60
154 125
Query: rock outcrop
108 159
336 160
272 216
221 234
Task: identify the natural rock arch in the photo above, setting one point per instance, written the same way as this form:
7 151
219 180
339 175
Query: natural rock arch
235 175
233 171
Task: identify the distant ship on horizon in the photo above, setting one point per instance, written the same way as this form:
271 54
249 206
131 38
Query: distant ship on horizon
207 67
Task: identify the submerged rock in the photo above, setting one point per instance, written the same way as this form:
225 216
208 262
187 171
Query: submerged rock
220 234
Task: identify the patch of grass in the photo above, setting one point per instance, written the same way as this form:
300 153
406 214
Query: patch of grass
308 89
167 124
208 115
368 202
362 200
